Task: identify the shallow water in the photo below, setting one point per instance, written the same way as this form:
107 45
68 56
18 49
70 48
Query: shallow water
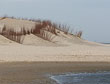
83 78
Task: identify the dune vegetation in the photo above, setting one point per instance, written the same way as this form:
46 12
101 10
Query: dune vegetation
44 29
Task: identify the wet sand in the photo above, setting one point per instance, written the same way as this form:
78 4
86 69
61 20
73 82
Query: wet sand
37 72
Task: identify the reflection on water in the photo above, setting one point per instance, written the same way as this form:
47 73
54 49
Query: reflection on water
83 78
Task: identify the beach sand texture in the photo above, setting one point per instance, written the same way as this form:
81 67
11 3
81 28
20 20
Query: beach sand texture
64 47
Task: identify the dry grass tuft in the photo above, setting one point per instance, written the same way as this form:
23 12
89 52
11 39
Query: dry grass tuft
13 35
61 27
44 30
37 28
79 34
45 25
46 35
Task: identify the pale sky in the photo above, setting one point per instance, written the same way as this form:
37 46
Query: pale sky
90 16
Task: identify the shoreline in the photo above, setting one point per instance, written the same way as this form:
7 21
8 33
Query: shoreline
37 72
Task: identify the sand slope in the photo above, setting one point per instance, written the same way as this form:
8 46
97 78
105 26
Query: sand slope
5 41
64 47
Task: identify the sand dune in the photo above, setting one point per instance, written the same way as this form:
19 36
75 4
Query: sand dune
5 41
14 23
64 47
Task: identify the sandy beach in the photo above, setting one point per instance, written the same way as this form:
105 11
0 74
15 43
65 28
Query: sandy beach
30 53
38 72
64 47
54 41
35 58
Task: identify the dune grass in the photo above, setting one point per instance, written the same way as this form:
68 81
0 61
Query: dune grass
39 30
42 28
12 34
